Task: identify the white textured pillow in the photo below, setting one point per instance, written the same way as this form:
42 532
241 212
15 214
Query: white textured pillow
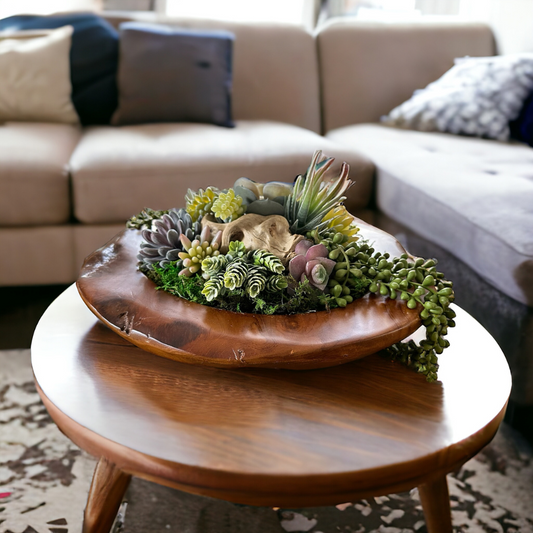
35 76
477 96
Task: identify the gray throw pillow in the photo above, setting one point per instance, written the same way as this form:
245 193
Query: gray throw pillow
477 96
173 75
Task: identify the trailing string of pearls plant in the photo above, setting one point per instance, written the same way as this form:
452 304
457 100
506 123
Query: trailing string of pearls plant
277 248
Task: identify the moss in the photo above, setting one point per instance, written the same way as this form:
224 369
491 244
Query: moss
183 286
305 297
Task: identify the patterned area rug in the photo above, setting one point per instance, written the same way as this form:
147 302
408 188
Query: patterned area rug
44 480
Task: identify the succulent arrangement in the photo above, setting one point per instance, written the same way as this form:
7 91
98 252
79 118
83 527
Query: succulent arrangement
277 248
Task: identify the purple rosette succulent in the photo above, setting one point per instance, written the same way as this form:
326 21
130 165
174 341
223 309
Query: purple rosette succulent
311 262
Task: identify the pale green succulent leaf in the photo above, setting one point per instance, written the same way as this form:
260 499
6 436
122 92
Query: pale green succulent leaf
311 198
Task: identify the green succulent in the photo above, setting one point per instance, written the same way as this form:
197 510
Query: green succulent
236 249
144 219
197 251
228 206
211 265
240 269
312 199
214 286
256 280
340 221
235 274
200 203
276 283
269 261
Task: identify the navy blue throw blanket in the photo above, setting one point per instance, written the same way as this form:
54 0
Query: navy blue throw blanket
522 127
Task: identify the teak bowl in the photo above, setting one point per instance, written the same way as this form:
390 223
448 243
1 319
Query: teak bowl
158 322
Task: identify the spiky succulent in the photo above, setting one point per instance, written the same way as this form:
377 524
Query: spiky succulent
197 251
161 244
199 204
340 221
312 198
228 206
144 219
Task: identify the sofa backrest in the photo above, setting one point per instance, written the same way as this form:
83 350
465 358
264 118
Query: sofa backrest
275 69
367 69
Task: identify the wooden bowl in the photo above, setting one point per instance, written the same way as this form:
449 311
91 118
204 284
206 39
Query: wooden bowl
128 303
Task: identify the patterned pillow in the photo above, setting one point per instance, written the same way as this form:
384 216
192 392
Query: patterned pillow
477 96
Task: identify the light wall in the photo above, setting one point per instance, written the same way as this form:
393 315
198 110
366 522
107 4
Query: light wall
290 11
511 20
45 7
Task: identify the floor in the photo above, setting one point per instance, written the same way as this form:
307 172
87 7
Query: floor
20 310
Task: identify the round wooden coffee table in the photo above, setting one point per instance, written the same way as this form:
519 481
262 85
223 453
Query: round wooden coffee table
266 437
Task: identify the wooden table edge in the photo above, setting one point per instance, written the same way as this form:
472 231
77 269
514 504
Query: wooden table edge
292 491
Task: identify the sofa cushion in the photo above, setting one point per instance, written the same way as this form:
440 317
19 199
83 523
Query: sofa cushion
93 60
39 255
473 197
118 171
51 254
369 68
35 71
173 75
34 178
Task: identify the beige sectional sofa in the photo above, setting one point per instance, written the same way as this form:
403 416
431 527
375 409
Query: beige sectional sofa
64 191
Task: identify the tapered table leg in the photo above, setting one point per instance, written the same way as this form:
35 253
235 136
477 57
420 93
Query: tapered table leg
105 495
436 504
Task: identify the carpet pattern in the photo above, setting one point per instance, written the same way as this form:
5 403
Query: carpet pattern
44 480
